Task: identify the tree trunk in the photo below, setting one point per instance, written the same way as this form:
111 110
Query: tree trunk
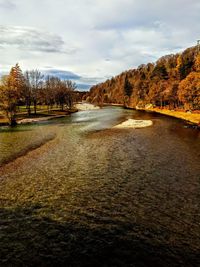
35 106
13 122
28 108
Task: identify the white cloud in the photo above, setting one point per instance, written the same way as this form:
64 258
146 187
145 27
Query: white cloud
7 4
95 38
30 39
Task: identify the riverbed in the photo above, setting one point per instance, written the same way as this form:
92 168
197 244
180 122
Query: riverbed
76 191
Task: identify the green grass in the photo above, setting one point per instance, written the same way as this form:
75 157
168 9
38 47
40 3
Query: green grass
42 111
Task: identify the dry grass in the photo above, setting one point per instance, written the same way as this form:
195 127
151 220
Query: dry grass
3 120
191 117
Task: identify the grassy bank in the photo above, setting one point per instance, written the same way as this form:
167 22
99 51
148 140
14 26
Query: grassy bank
191 117
187 116
42 114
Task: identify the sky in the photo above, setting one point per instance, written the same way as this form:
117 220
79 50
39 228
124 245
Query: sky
90 41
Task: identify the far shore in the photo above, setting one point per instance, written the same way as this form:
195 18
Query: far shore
84 106
23 118
193 118
45 115
190 117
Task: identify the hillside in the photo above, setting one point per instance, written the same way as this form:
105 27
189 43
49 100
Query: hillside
173 82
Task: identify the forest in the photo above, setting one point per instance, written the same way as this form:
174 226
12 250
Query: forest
32 88
172 82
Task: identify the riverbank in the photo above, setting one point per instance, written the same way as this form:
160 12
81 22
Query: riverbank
86 106
23 118
193 118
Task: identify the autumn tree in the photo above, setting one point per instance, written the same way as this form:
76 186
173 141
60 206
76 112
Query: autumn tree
189 91
168 83
11 89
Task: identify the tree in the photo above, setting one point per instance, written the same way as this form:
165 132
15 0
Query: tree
156 83
197 62
70 95
34 79
50 91
127 87
64 94
189 91
10 92
27 92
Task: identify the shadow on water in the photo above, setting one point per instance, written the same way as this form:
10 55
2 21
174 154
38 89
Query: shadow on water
31 240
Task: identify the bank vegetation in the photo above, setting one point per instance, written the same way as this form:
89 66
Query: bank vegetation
31 92
171 83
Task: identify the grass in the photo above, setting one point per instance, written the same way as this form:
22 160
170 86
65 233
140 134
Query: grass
42 111
3 119
191 117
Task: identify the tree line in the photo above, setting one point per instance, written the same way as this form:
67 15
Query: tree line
32 88
172 82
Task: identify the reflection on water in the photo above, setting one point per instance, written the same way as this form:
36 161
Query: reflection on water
97 196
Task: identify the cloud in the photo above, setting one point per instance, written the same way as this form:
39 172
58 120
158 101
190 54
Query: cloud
83 87
62 74
96 39
7 4
30 39
83 83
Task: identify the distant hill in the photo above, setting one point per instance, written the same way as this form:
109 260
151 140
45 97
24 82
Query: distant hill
171 82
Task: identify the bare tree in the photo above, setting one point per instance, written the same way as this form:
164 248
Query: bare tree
35 81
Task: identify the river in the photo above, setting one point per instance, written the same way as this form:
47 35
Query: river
77 192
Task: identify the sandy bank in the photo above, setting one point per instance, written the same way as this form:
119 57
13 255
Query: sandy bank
35 120
86 106
134 124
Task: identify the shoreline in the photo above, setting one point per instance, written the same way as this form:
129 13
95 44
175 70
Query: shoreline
39 118
191 118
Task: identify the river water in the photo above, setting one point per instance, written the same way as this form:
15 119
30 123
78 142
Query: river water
77 192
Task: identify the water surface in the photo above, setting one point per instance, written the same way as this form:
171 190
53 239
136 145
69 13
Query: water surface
90 195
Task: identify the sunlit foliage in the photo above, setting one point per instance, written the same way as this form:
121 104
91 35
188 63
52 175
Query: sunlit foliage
172 82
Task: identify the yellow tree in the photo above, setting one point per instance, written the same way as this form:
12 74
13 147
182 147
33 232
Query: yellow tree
189 91
10 90
197 63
